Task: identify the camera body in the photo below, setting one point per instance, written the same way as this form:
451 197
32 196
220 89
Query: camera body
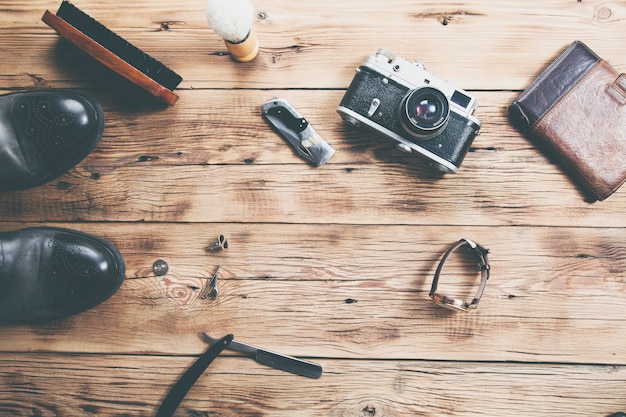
422 113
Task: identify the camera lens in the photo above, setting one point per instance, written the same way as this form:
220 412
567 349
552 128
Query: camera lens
424 112
426 109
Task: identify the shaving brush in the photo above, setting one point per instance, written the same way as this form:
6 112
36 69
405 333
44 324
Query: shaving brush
232 21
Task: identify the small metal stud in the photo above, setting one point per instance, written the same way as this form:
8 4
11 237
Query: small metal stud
160 267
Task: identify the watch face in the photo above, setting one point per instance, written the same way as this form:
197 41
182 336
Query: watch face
450 303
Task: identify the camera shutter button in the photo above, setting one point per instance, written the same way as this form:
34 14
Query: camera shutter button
404 148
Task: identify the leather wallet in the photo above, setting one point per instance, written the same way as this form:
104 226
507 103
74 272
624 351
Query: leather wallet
577 107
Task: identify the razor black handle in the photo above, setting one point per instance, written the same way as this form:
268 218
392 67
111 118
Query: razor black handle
184 384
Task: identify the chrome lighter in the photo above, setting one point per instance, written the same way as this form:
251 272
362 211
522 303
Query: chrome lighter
295 129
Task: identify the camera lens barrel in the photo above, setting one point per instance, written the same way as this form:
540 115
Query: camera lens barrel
424 112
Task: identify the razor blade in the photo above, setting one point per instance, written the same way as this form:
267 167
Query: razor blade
295 129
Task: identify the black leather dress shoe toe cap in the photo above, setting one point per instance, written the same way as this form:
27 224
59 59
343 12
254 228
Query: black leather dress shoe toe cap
48 273
45 133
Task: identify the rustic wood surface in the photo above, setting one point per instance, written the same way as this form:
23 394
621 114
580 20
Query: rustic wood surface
332 264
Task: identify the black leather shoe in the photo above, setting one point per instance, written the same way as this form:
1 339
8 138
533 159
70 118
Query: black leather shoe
45 133
48 273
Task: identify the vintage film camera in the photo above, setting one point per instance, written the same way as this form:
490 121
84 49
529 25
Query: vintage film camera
424 114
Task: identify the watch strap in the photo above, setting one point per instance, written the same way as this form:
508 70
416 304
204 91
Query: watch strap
480 253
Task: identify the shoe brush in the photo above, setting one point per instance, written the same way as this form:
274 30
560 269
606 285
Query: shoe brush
232 21
113 51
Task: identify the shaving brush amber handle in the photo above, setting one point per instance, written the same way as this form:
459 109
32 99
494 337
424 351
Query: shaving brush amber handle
245 50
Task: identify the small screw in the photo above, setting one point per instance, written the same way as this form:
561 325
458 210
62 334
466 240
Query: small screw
221 243
160 267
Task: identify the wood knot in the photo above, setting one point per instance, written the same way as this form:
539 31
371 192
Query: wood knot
181 291
444 19
167 25
369 411
603 14
147 158
38 81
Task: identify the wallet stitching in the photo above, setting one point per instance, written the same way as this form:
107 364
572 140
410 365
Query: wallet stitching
556 106
619 87
546 72
562 98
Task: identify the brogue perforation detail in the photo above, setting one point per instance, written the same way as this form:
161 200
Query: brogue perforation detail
43 125
69 275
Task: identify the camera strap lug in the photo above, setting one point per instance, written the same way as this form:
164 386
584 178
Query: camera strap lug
374 105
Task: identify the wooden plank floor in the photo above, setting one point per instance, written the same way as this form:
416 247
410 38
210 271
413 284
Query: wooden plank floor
332 264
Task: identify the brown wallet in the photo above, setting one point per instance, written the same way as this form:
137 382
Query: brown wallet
577 106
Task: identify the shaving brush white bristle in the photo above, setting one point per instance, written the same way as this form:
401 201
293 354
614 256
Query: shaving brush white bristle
230 19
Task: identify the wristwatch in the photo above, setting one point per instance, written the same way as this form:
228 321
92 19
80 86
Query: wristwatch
483 266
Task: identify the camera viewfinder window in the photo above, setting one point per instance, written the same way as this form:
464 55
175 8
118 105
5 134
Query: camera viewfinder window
460 99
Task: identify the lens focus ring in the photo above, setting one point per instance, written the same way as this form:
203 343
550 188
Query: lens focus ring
424 112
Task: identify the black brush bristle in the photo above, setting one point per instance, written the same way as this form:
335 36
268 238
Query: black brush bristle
118 45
